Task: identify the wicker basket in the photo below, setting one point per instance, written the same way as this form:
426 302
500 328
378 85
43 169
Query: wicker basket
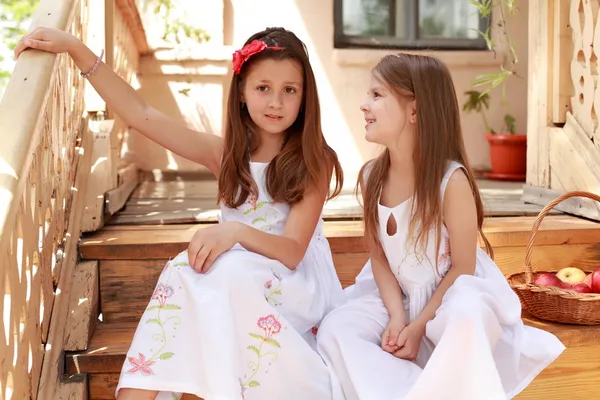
553 303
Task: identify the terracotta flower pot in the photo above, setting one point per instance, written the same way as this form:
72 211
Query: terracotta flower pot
508 156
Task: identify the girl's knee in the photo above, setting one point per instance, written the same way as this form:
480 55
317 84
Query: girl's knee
326 332
136 394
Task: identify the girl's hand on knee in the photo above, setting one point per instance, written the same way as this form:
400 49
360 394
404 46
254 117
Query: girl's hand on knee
209 243
390 336
410 340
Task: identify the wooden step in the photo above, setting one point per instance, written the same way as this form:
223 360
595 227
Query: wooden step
132 257
575 375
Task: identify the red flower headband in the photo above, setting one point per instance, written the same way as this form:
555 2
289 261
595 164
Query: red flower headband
252 48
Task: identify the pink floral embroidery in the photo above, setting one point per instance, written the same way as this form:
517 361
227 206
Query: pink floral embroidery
260 218
252 202
140 365
270 326
273 287
162 293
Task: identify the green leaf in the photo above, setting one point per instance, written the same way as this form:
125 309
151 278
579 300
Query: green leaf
261 205
154 321
166 356
181 264
248 211
256 336
511 123
171 307
253 384
476 101
259 219
254 349
276 292
272 342
152 308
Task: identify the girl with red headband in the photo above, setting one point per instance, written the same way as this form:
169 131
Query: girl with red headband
232 316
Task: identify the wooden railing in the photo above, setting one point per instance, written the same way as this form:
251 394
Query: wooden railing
41 123
563 133
585 51
49 145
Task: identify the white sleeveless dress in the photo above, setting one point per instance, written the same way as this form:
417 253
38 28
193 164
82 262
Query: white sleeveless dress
243 330
476 347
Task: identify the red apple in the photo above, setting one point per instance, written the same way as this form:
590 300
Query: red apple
547 279
595 281
578 287
588 280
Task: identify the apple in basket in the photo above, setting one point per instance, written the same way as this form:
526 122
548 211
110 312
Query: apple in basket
547 279
571 275
594 280
578 287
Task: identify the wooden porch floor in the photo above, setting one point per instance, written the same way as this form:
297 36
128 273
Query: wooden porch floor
193 201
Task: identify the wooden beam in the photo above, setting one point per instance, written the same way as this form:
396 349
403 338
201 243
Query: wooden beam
163 242
74 388
562 85
100 180
133 19
576 165
83 306
128 181
538 81
53 357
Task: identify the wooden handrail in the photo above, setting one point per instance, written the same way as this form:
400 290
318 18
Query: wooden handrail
21 109
41 121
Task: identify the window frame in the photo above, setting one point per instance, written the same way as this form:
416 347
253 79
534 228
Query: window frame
412 42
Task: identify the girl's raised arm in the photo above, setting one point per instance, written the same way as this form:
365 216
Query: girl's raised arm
203 148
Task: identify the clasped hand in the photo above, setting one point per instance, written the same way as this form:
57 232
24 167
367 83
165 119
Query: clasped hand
209 243
402 339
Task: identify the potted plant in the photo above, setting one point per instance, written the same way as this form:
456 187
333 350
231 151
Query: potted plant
508 149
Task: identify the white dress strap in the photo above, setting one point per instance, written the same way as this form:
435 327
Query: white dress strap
452 166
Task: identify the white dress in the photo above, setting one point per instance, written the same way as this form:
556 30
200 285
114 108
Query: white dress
243 330
476 347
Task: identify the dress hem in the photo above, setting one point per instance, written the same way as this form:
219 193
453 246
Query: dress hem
525 382
170 387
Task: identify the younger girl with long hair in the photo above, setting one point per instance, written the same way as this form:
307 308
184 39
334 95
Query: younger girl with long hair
430 316
230 318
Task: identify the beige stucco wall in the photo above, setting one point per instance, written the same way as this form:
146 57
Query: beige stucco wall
342 75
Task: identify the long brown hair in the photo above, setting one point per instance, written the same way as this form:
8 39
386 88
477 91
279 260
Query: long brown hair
438 141
299 164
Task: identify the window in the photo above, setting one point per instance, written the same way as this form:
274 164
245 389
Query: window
409 24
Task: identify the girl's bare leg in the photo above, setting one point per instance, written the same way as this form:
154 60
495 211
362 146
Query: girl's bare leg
190 397
136 394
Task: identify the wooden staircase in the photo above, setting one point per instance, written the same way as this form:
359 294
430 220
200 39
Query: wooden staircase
123 263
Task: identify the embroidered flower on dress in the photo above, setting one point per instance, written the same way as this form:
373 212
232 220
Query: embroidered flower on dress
140 365
162 293
252 201
270 325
